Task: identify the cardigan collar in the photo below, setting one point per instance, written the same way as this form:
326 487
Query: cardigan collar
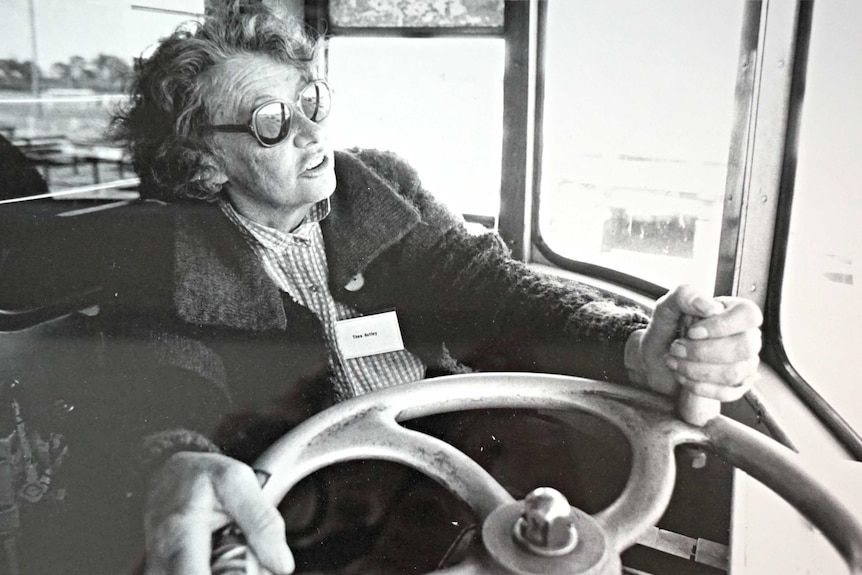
368 216
220 281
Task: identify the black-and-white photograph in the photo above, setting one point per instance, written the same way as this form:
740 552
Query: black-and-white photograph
455 287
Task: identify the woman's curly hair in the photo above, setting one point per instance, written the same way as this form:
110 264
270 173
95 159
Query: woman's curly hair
162 123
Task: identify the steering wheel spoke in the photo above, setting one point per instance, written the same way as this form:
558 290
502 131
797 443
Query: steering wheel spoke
453 469
647 491
375 434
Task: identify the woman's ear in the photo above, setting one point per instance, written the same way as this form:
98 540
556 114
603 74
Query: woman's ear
210 176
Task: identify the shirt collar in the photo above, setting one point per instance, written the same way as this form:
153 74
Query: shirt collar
272 238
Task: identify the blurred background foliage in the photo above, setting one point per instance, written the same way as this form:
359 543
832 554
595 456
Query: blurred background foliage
416 13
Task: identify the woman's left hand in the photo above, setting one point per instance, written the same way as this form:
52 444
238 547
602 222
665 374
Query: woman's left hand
707 345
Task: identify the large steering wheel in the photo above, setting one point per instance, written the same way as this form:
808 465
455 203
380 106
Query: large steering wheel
543 534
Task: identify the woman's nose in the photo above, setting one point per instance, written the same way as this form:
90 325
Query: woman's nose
307 132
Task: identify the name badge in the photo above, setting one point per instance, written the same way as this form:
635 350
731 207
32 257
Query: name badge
369 335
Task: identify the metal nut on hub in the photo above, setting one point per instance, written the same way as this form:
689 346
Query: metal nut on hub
547 523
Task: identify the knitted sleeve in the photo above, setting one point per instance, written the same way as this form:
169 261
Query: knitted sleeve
500 314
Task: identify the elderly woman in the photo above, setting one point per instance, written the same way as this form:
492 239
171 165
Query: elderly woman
270 241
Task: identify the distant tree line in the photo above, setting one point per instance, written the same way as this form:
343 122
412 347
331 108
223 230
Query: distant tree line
104 73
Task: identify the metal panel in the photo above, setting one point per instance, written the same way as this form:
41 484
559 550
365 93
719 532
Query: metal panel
766 149
519 87
739 146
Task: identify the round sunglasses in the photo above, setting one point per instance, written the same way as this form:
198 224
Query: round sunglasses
270 122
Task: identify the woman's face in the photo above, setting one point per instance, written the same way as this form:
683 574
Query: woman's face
273 186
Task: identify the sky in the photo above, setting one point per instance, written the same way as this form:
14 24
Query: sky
86 28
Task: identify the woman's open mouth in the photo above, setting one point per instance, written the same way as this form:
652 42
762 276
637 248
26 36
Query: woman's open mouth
316 166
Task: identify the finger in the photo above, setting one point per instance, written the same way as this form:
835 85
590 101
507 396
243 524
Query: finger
179 545
686 300
737 347
739 316
725 374
254 567
722 393
260 521
265 533
681 302
668 308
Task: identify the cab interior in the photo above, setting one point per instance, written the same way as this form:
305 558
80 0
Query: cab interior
630 145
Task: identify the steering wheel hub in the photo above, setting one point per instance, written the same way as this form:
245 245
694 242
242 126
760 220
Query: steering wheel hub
590 553
547 524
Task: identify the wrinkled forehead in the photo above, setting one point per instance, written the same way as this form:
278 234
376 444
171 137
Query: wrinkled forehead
240 83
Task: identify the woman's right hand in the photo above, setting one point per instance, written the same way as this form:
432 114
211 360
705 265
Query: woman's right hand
194 494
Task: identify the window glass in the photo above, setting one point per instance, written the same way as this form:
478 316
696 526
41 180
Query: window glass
639 105
436 102
416 13
821 306
63 68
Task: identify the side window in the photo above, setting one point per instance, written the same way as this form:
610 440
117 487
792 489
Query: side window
638 114
821 304
425 80
63 70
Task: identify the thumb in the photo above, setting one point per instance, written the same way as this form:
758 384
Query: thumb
684 301
259 521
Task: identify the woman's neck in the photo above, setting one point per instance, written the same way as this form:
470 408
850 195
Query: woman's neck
283 219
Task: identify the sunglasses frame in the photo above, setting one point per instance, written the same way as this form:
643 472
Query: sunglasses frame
285 125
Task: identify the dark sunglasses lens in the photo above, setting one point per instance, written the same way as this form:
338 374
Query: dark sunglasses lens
316 101
271 122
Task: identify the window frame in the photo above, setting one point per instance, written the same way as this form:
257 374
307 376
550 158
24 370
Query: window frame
733 204
774 352
758 194
317 17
